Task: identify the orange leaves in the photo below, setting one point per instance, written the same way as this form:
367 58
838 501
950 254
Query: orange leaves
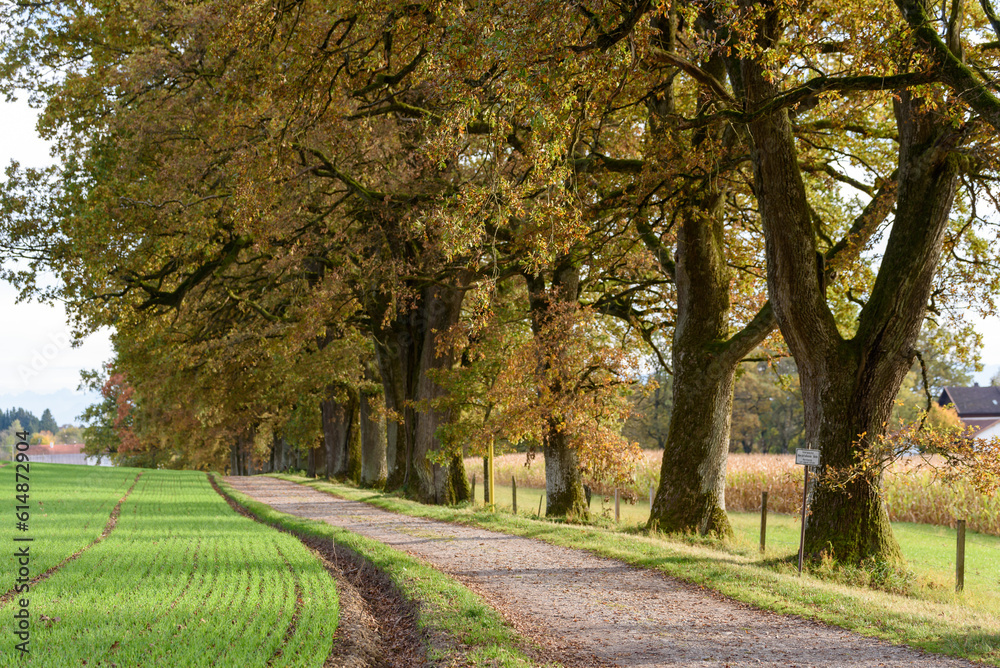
514 387
937 441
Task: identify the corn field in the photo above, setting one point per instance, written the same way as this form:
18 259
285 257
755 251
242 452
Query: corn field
911 495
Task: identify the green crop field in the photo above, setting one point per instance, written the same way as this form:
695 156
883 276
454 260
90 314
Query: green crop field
70 506
182 580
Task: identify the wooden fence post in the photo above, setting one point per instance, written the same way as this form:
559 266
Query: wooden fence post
960 558
473 489
487 492
763 520
513 492
616 504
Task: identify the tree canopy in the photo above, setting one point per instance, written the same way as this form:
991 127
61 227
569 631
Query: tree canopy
489 213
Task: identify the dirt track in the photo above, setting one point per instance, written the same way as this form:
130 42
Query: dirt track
590 611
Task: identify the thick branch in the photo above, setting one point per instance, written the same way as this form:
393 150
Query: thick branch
748 338
596 161
849 248
822 84
174 297
331 170
392 79
950 69
609 39
991 15
655 246
827 168
695 72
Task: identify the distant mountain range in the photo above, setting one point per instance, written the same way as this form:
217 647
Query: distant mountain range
65 405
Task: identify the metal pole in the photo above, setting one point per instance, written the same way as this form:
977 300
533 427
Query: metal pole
763 519
802 537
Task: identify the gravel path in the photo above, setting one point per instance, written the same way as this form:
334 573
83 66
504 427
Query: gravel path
590 611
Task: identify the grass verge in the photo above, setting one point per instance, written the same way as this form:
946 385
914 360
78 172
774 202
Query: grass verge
960 625
475 633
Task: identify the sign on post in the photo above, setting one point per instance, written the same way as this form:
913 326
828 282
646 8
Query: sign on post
805 457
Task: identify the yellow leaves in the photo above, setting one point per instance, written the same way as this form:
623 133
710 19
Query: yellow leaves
938 442
569 378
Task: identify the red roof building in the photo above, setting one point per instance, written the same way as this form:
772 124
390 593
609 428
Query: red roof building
55 449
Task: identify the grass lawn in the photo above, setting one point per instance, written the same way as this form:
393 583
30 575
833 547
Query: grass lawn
932 617
182 580
929 550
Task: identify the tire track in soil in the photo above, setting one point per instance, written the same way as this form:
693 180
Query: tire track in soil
108 528
296 611
377 626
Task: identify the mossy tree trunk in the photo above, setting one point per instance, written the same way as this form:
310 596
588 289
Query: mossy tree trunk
338 412
396 352
373 434
691 493
407 349
564 494
849 385
311 462
434 481
850 522
354 461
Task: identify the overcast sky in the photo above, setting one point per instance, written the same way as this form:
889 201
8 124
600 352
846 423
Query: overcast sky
36 355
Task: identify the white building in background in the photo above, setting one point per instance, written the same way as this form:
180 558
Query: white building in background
977 407
64 453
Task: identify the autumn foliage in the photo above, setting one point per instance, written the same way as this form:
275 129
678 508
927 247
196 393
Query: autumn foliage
499 215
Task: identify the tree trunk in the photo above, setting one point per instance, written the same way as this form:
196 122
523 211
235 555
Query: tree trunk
564 496
373 442
691 493
353 445
334 434
311 462
851 522
397 352
407 349
848 386
341 440
563 483
856 396
435 482
459 478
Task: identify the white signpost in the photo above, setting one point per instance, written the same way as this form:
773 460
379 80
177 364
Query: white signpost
805 457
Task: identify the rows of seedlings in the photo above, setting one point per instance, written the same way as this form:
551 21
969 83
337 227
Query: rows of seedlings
184 581
69 509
